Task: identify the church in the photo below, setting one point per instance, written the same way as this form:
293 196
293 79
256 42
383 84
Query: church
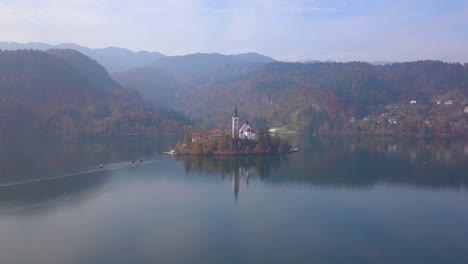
245 131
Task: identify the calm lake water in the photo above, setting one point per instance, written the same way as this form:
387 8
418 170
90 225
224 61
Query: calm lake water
338 200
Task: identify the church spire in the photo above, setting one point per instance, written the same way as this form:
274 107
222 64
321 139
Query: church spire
235 111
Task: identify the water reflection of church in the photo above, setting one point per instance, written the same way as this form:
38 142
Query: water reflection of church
241 174
240 168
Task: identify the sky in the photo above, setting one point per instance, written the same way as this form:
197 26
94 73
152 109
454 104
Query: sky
293 30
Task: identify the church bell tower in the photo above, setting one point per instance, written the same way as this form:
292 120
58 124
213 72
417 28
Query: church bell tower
235 124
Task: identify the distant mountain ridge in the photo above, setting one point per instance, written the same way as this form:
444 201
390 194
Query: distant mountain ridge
112 58
190 75
116 59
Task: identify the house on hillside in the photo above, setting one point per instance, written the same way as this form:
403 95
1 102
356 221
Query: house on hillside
413 102
466 110
448 102
392 121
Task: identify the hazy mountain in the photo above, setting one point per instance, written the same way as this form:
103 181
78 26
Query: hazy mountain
310 95
189 76
211 65
113 59
64 93
382 62
86 67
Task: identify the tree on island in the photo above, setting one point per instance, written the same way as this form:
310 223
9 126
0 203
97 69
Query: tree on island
264 143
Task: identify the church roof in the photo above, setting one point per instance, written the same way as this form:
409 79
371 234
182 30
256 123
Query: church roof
246 127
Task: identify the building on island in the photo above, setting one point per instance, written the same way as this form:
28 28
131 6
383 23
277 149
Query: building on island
197 136
235 124
245 131
216 134
466 110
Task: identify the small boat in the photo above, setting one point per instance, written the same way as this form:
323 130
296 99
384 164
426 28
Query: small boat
101 166
293 150
141 159
172 152
133 161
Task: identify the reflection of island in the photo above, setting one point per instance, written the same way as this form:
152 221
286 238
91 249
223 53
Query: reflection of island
260 165
240 168
352 162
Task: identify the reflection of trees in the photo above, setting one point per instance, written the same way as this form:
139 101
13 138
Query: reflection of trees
226 165
353 161
342 161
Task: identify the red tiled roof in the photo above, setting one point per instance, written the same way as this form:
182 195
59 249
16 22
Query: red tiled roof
195 135
216 131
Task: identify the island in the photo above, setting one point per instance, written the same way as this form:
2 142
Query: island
243 140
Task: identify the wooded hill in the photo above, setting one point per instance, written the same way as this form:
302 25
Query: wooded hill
354 97
64 93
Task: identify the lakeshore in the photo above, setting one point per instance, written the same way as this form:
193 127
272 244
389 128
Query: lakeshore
226 145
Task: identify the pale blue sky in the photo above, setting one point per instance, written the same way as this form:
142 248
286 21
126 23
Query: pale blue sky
342 30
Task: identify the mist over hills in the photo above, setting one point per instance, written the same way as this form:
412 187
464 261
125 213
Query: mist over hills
116 59
112 58
189 76
355 97
320 96
65 93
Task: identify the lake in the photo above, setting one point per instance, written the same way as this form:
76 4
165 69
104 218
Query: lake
337 200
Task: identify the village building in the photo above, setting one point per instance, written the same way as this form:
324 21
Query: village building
392 121
449 102
466 110
413 102
197 136
215 134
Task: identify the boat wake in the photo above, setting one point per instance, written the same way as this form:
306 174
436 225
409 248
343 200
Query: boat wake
99 168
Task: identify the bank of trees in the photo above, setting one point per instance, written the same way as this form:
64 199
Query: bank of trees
264 143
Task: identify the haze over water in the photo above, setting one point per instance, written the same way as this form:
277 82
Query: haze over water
338 200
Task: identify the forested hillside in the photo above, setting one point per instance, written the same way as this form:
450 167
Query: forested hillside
320 97
64 93
191 77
